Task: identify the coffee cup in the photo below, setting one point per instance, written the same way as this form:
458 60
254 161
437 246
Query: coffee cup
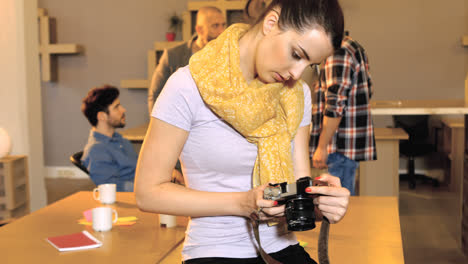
102 218
105 193
167 220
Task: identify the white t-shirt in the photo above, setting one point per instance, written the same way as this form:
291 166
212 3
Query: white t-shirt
216 158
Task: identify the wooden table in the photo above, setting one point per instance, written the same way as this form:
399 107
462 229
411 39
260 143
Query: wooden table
439 107
401 107
23 241
380 177
368 234
418 107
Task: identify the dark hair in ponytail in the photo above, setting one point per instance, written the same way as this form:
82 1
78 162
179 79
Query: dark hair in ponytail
306 14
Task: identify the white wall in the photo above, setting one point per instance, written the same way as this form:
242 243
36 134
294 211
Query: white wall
20 97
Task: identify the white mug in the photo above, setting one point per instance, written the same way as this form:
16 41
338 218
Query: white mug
102 218
106 193
167 220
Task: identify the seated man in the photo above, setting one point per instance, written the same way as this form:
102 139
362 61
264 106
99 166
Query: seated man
109 157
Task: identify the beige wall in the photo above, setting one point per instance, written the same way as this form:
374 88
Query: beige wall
414 46
12 107
414 49
116 36
20 101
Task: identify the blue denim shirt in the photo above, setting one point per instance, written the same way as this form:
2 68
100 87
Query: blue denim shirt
110 160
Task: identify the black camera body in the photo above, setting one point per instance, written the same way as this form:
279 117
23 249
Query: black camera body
299 205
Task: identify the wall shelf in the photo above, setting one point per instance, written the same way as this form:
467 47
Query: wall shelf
226 6
134 84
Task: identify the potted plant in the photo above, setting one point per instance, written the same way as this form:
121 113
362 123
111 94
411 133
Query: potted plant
175 25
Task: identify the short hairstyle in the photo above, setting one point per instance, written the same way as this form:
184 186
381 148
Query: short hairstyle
98 100
204 12
304 14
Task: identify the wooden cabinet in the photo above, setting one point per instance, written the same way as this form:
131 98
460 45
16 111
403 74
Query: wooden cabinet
14 187
464 195
464 209
450 144
380 177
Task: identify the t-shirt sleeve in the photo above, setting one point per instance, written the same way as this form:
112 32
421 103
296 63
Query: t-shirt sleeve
175 103
306 119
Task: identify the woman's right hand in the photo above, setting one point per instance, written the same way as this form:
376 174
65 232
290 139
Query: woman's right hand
253 203
334 199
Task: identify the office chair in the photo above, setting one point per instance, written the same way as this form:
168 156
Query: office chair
76 160
6 221
418 144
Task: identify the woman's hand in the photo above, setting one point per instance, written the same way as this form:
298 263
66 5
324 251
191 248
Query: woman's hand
333 203
254 206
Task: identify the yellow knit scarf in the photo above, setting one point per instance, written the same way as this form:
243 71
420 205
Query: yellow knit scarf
265 114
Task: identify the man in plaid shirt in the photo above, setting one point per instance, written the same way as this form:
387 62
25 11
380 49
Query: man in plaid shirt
342 131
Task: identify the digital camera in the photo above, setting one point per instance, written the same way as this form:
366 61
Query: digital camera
299 205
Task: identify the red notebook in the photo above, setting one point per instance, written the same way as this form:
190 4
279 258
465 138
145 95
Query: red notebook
76 241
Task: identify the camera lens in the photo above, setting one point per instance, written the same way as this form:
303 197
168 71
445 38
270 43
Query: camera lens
300 214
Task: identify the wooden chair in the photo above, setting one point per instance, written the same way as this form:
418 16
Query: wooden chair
6 221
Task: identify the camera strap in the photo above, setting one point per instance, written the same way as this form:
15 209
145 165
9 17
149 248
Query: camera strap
267 258
322 241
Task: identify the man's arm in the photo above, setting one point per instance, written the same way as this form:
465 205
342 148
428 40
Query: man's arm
158 80
329 126
337 81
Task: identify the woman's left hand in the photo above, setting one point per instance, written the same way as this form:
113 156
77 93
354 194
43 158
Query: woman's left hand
333 203
256 207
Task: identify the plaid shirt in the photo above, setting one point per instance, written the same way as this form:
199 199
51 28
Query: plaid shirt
344 89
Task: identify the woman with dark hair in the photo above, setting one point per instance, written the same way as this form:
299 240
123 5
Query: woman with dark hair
238 116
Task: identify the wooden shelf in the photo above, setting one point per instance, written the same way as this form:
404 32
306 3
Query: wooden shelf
221 4
162 45
225 6
14 187
140 83
49 50
134 84
22 210
159 46
41 12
